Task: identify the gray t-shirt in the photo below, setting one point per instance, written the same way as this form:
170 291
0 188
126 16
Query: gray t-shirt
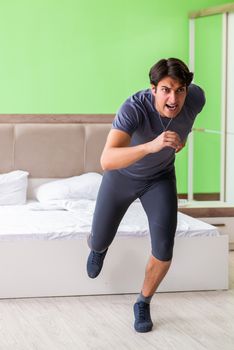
139 118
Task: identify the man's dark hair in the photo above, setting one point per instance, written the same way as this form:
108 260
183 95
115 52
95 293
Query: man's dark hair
172 67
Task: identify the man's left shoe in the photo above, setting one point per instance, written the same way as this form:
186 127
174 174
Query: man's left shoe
143 322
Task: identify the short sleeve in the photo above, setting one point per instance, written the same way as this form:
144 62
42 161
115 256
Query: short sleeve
195 99
127 118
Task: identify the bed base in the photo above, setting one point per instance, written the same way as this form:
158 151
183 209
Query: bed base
40 268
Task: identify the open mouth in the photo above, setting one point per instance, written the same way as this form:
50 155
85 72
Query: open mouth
171 107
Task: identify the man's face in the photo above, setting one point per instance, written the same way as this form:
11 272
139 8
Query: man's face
169 96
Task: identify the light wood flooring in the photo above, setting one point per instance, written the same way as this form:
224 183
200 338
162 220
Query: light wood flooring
182 321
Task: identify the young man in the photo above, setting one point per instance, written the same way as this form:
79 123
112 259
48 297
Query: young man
138 162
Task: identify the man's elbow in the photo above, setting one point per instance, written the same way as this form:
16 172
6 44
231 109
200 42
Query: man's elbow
105 164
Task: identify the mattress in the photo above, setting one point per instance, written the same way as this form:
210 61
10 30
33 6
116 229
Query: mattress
72 220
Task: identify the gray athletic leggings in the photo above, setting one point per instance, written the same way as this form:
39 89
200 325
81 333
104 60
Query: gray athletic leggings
158 198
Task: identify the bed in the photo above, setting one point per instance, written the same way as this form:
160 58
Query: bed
38 260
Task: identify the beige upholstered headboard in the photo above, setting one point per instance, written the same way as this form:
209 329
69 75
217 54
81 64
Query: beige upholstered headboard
52 150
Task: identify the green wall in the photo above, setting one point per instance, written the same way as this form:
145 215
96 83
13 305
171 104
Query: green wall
208 68
76 56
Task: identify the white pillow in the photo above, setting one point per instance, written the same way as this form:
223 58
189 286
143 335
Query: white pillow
85 186
13 187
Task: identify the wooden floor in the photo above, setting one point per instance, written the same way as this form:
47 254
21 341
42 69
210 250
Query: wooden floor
183 321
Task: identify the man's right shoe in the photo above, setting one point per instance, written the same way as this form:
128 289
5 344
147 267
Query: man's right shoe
95 262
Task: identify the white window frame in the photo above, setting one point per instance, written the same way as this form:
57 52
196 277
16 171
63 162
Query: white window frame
223 108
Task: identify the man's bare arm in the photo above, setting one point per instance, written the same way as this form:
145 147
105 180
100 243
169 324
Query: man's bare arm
117 153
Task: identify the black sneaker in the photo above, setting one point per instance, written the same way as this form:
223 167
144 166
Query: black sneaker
143 322
95 262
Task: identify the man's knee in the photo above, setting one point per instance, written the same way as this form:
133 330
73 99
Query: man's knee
163 251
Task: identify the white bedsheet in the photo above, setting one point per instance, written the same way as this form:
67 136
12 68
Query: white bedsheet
72 220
